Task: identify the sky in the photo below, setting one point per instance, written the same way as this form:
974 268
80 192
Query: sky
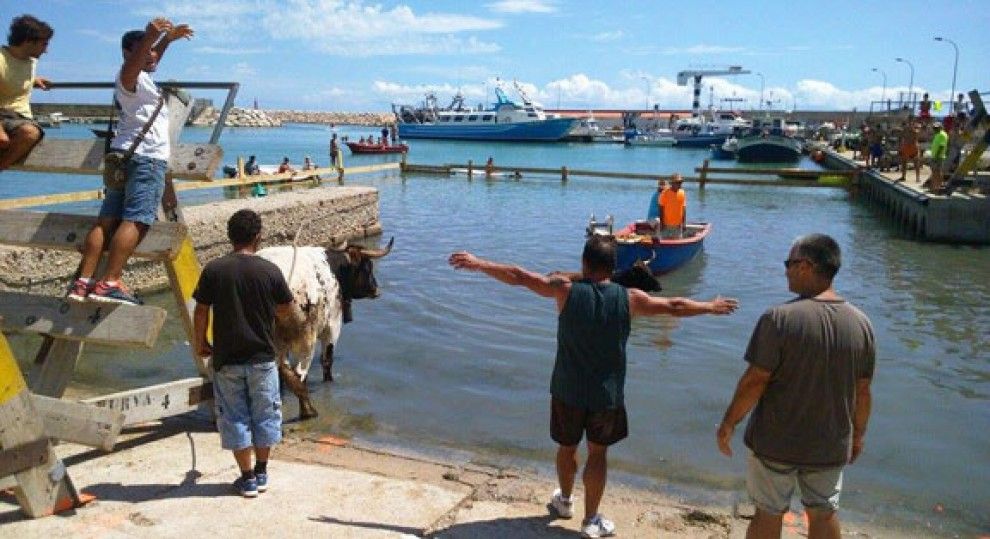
333 55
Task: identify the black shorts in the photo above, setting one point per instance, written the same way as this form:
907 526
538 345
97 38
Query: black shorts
568 424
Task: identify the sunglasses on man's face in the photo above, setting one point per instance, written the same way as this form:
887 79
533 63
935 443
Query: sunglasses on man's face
791 261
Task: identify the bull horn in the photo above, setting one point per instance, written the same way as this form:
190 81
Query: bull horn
338 246
379 253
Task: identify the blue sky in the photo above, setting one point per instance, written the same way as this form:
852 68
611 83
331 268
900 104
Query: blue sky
361 56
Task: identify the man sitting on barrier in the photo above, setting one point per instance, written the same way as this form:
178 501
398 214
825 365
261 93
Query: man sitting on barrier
127 214
27 41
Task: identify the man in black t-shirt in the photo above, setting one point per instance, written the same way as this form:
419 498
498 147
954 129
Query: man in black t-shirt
246 293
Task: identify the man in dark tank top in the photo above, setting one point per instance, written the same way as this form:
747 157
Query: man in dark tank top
587 386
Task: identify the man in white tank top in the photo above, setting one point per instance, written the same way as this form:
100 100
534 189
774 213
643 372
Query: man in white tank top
127 214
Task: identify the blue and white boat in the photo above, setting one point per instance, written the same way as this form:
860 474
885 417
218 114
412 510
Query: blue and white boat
505 120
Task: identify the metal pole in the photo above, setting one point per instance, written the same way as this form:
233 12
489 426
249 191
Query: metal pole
955 67
910 84
762 84
883 93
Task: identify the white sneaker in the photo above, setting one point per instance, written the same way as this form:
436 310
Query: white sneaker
564 507
597 526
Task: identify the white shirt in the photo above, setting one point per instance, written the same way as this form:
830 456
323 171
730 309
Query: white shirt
135 109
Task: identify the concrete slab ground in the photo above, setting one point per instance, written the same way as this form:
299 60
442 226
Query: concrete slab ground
173 480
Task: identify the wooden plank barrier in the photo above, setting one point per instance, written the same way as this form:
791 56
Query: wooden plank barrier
100 323
85 156
40 478
66 232
158 401
79 423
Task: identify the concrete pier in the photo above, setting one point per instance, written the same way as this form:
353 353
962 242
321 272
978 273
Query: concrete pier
957 218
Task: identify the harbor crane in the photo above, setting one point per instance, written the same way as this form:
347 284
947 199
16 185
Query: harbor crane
697 74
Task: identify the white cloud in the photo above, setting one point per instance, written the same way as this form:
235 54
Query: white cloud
344 27
229 50
523 6
702 49
605 37
100 36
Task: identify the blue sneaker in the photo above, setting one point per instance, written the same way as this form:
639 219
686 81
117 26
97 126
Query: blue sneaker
113 293
247 487
262 480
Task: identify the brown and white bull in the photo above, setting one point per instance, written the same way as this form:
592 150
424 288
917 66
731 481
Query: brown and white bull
323 282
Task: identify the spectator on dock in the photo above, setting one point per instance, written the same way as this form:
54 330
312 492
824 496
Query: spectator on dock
334 149
385 135
308 163
489 167
673 205
960 105
925 109
126 215
875 140
588 381
811 362
27 41
246 293
285 166
909 150
939 149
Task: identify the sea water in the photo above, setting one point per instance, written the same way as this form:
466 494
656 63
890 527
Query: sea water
456 361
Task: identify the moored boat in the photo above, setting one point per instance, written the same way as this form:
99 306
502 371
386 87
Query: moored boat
364 147
505 120
726 150
638 241
651 139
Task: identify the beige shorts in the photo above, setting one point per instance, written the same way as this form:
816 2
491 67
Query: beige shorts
771 485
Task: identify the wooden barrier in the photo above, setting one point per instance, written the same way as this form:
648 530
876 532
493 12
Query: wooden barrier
566 173
73 156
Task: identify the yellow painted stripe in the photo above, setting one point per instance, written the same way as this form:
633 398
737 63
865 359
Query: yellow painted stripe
11 380
187 270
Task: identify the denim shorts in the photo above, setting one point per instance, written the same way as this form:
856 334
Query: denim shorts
248 405
771 485
142 194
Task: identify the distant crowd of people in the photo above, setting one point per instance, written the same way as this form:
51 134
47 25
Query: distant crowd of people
884 145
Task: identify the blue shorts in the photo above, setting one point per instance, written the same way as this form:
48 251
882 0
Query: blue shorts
248 405
771 484
142 194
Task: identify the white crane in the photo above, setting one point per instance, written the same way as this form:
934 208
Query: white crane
683 76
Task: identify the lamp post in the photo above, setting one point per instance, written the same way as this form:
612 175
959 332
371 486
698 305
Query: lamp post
910 84
762 84
646 84
955 66
883 94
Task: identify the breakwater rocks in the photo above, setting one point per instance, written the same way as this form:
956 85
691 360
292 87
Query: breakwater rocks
329 213
343 118
237 117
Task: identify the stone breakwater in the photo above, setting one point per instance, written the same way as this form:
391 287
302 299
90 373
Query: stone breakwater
329 213
237 117
343 118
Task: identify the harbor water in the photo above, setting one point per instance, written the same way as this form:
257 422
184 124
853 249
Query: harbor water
454 361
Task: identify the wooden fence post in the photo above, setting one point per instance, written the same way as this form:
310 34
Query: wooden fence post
470 170
563 174
704 175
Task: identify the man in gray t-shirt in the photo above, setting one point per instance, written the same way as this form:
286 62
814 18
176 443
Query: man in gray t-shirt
810 366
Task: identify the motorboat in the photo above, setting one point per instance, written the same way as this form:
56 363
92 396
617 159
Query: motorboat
372 148
639 241
768 142
727 150
651 139
504 120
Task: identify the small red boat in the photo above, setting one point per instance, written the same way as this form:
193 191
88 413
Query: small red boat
364 147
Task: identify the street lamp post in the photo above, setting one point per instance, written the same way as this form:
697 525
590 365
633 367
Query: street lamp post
955 66
910 84
883 93
762 84
646 83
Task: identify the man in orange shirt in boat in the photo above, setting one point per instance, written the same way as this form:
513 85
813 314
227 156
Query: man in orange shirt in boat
673 209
